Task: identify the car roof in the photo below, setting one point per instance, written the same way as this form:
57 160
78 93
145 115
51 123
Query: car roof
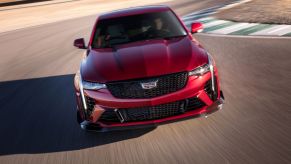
133 11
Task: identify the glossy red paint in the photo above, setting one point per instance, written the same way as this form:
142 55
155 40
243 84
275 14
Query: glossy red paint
150 58
142 59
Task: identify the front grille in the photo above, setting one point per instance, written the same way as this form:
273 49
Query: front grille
153 112
133 89
208 89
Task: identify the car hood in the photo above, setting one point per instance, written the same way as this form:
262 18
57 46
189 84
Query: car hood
142 59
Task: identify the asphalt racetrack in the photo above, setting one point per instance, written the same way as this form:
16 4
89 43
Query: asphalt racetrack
38 117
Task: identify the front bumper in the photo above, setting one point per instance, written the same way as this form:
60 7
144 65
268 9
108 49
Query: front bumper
203 112
194 88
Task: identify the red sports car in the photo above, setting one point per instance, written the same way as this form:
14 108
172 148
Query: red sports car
142 67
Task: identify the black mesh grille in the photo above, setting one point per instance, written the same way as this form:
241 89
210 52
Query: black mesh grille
150 113
109 115
90 104
194 103
133 89
153 112
208 89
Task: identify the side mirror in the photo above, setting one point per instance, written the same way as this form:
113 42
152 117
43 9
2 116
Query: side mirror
196 27
80 43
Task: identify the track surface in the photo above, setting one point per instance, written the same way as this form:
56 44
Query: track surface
37 120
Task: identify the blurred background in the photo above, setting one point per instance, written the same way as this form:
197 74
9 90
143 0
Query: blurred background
250 41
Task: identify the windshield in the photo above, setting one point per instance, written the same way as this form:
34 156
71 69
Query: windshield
134 28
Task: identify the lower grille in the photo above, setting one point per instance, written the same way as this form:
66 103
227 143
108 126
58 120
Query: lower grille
153 112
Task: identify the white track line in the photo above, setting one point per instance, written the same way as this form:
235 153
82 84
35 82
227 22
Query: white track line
198 16
234 4
204 19
188 22
233 28
277 30
203 11
214 23
244 36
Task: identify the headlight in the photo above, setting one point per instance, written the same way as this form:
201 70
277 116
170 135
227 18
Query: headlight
87 85
92 86
199 71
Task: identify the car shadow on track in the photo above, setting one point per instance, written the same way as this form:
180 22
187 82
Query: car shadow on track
39 116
